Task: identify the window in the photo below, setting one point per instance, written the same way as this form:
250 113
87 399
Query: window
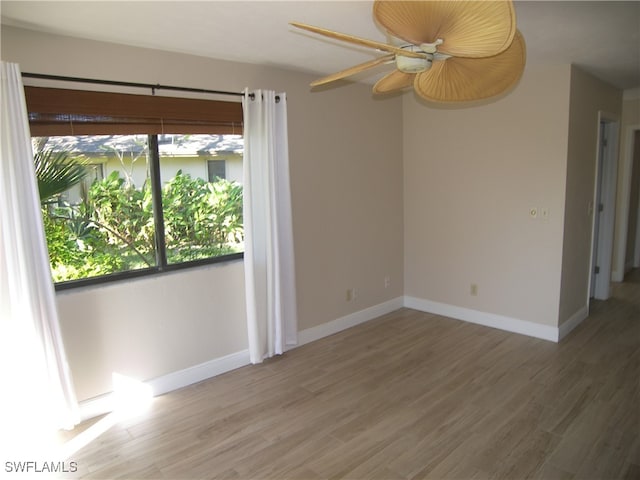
216 169
94 173
145 202
202 215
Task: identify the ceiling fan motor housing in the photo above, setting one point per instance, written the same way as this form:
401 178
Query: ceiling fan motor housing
414 65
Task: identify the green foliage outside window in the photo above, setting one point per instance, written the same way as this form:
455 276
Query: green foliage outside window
112 228
201 219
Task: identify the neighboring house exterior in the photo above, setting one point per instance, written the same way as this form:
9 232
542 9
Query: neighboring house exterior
200 156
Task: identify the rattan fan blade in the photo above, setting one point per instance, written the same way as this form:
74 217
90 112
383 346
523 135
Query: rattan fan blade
469 79
363 42
352 70
395 80
472 29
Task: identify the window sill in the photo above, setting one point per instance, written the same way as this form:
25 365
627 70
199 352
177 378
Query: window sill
147 272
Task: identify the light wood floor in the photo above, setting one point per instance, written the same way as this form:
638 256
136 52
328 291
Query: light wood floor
408 395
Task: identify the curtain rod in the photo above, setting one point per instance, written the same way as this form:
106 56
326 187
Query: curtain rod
130 84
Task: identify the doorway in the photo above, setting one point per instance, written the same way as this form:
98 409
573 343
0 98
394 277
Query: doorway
632 250
628 228
604 208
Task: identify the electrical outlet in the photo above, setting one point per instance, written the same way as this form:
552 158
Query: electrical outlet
473 290
352 294
387 281
544 214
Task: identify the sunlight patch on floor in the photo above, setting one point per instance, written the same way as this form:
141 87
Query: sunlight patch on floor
131 398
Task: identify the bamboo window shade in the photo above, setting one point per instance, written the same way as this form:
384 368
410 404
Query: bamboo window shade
55 111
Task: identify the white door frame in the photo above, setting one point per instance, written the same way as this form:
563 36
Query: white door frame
605 194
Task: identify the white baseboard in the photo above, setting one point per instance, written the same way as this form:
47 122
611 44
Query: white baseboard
197 373
572 322
617 276
492 320
102 404
105 403
315 333
96 406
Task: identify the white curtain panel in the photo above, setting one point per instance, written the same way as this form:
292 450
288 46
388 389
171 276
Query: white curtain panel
269 254
37 390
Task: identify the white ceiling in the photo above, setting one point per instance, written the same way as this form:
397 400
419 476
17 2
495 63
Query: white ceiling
602 37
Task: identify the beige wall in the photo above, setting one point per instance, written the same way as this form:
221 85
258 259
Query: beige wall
346 173
471 177
150 327
588 97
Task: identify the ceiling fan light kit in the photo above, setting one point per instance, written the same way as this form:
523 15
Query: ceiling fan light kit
455 51
413 65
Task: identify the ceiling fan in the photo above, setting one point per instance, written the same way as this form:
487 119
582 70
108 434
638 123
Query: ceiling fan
453 51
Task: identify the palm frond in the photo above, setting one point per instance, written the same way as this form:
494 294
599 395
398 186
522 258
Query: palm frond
56 172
